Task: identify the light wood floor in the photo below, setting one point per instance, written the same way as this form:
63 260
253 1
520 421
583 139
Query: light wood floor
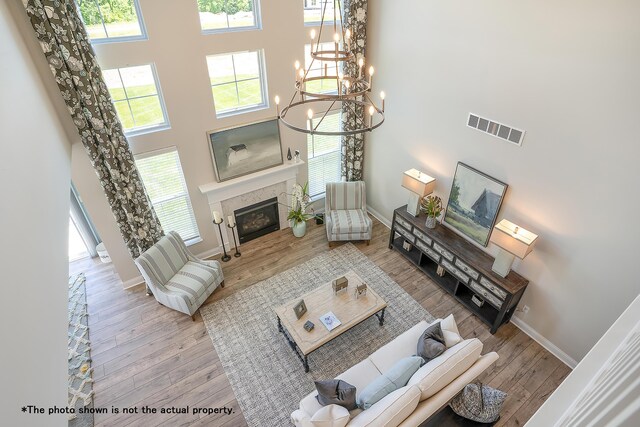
146 354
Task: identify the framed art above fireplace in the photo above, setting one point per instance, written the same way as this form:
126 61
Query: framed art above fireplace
246 149
474 203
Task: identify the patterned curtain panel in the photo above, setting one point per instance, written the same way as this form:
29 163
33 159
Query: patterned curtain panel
66 46
355 18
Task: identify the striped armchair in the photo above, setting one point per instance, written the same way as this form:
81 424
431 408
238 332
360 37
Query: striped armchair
176 278
345 211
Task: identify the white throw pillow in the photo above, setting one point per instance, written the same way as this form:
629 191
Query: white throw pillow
392 410
330 416
450 331
439 372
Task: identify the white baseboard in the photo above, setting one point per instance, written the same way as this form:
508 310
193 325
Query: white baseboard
379 216
133 282
548 345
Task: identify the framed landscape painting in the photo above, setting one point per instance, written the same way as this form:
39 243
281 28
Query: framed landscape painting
474 203
246 149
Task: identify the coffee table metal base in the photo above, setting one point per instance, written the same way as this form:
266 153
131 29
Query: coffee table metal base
304 357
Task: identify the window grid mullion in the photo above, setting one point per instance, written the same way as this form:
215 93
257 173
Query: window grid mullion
126 96
226 13
235 79
104 26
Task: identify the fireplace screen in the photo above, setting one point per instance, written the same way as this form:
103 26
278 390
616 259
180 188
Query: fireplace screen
257 220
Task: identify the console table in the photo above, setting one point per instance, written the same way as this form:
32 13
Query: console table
466 270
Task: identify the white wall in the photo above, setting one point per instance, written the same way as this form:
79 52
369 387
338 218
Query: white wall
567 73
178 49
607 398
35 161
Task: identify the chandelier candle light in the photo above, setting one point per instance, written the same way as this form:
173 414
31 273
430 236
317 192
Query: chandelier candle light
351 92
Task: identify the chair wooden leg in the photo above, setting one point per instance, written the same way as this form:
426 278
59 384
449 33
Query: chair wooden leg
193 317
368 241
222 284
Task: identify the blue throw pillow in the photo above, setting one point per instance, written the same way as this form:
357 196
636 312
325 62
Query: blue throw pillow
397 377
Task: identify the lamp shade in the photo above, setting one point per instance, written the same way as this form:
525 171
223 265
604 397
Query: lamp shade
418 182
513 239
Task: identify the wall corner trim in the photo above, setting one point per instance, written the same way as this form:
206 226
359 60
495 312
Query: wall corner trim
548 345
379 217
132 283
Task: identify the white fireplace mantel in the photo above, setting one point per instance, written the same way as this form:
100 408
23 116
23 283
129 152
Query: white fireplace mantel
219 192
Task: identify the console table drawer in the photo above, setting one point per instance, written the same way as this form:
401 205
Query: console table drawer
427 250
453 270
420 235
486 294
493 288
442 251
464 267
407 235
403 223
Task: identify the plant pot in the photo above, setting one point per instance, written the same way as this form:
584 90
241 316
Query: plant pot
431 222
299 228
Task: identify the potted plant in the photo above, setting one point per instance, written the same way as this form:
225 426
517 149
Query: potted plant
298 215
432 207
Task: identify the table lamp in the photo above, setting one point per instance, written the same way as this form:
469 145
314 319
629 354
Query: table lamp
419 184
513 241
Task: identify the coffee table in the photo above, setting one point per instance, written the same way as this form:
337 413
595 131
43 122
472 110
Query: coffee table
349 310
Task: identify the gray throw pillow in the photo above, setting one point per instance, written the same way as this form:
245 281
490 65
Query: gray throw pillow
431 343
336 392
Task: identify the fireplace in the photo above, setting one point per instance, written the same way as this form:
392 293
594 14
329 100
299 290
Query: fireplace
257 220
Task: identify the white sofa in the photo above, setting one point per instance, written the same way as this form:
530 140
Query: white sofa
428 390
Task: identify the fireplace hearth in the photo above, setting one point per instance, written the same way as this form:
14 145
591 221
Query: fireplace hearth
257 220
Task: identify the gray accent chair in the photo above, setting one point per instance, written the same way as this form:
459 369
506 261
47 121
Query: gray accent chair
345 211
176 278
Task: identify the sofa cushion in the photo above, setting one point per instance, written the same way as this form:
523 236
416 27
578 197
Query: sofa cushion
439 372
336 392
450 331
431 343
192 280
359 375
403 346
391 410
395 378
350 221
330 416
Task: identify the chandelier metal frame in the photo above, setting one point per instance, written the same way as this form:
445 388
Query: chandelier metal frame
352 92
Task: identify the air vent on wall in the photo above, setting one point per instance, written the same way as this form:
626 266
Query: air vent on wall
504 132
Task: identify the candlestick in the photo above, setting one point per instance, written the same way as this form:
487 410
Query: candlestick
225 257
277 99
217 217
231 220
370 77
235 243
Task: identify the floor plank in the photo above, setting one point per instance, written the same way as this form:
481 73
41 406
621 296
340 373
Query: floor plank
146 354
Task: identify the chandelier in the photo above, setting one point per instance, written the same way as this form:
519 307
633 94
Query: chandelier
349 93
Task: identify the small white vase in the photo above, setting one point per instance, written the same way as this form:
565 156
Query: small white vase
431 222
299 228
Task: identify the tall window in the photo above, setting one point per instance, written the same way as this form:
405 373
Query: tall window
112 20
136 96
229 15
324 155
162 176
313 11
238 82
318 69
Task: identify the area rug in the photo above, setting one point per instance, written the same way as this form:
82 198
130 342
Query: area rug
80 383
266 376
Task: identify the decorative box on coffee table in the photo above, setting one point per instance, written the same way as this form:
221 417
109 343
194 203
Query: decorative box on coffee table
467 269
